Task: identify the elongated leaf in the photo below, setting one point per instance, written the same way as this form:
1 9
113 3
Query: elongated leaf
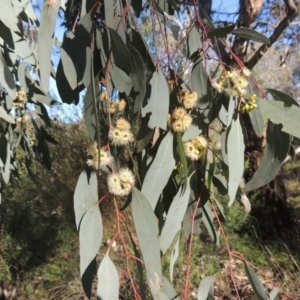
160 171
122 82
174 256
109 12
250 34
277 148
146 227
278 113
138 75
257 121
46 30
108 280
191 133
122 57
200 80
255 283
6 169
6 78
206 288
67 59
7 15
158 104
273 293
235 148
208 217
182 157
169 290
174 218
5 116
194 41
85 195
221 31
280 96
90 236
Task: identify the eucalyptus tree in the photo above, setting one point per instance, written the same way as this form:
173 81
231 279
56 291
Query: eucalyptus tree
151 130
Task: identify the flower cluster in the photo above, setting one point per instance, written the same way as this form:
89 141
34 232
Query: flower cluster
180 120
114 106
188 99
120 184
195 148
121 135
249 105
105 158
233 83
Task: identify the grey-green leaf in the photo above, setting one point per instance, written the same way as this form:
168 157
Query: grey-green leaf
235 148
277 148
146 227
273 294
280 96
194 41
257 121
174 218
7 15
255 283
200 80
6 78
46 30
278 113
159 171
250 34
173 258
158 104
5 116
108 280
85 195
90 236
206 288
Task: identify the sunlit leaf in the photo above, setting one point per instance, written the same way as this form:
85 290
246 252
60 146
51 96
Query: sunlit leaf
108 280
5 116
257 121
174 218
90 236
46 30
235 147
7 15
206 288
146 227
6 78
159 171
278 113
277 147
250 34
256 284
122 82
158 104
85 195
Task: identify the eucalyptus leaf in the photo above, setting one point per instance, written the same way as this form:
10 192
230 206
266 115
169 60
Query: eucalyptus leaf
158 104
250 34
194 41
278 113
90 236
5 116
6 78
257 121
46 30
7 15
159 171
6 35
174 255
280 96
108 280
255 282
85 195
146 227
174 218
221 31
277 148
235 147
206 288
